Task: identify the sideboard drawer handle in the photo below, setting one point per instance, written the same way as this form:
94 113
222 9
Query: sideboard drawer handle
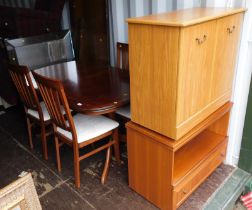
231 29
201 40
6 23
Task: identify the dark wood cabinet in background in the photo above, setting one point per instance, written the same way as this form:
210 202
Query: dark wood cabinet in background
89 26
16 22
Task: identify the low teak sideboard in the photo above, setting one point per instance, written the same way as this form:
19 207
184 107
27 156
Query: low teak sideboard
181 75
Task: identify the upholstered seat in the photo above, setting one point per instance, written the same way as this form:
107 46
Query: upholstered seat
35 114
77 131
88 127
23 81
124 111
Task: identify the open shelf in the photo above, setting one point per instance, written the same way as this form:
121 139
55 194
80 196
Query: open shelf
190 155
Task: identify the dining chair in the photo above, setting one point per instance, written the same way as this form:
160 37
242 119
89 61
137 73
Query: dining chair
123 63
35 111
79 130
122 56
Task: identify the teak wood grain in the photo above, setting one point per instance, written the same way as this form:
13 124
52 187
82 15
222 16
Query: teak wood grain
188 156
186 17
154 76
195 66
166 173
206 123
178 73
228 30
199 174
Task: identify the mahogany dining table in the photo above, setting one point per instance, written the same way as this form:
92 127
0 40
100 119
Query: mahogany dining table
90 90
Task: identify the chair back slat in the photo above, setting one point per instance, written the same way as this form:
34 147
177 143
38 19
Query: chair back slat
122 56
22 80
53 94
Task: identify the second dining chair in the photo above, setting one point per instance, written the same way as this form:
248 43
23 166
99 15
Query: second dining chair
123 64
35 111
79 130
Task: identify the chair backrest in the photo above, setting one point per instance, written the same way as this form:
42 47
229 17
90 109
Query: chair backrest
54 96
22 80
122 56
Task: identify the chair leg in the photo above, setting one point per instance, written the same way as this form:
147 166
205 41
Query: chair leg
116 146
106 166
76 166
57 153
44 142
111 115
29 132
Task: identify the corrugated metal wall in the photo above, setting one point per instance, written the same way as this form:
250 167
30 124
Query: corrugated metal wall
18 3
120 10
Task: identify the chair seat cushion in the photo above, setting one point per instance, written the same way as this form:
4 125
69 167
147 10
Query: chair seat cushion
44 110
124 111
88 127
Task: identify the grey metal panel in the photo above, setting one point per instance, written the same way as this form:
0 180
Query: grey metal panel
132 8
125 16
154 7
18 3
147 7
113 31
203 3
39 51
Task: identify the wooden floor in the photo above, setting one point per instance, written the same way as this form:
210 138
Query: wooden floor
57 191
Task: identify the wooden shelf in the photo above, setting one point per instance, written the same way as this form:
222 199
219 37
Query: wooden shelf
191 155
175 168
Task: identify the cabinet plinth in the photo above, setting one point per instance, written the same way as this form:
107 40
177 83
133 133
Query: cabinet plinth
181 67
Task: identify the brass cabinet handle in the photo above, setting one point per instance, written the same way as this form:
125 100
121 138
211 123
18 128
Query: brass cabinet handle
230 30
184 191
201 40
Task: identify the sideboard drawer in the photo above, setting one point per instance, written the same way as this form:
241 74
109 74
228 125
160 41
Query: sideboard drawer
196 177
181 194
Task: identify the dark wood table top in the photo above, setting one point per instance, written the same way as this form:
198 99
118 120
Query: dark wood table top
91 90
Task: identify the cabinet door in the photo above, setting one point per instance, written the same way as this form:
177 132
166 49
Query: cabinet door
194 78
153 56
228 33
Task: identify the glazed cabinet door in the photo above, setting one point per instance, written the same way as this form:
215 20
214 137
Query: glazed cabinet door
228 30
195 69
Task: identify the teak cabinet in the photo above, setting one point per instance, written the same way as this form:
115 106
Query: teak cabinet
181 67
165 171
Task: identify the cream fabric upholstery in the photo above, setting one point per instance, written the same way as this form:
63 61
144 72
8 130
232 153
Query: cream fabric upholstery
44 110
124 111
88 127
32 80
